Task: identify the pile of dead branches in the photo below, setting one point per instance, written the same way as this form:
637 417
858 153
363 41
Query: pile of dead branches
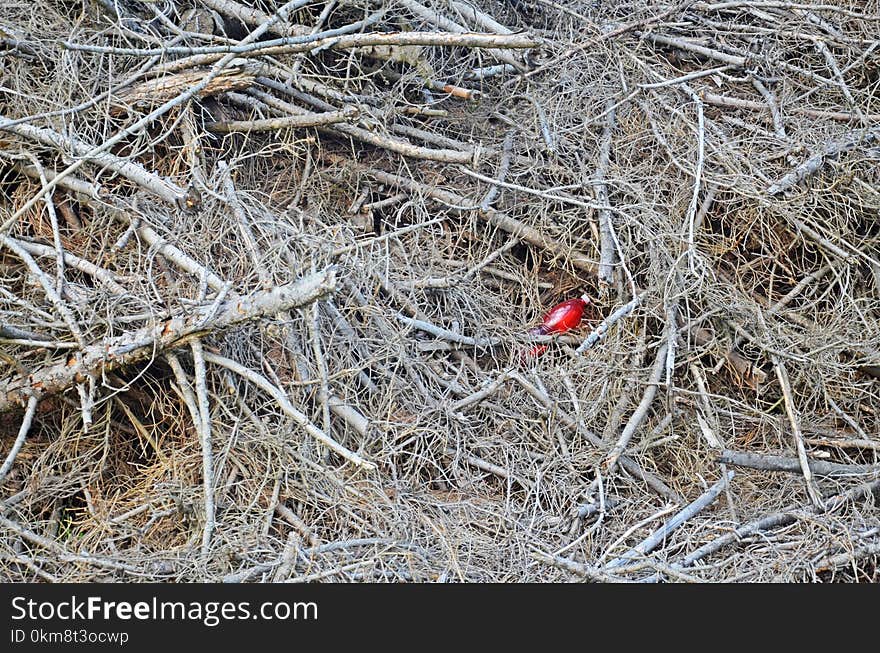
268 271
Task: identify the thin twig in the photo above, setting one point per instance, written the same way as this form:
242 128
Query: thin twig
284 403
26 421
689 512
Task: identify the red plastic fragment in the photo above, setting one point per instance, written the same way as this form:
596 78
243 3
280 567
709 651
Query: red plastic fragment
561 318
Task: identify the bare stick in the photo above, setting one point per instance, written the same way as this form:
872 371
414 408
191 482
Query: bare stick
782 375
585 571
689 512
287 122
812 165
396 145
254 17
785 464
445 334
856 443
435 18
195 411
496 218
486 466
478 396
640 412
314 330
846 418
207 456
778 124
244 227
59 304
751 105
294 520
53 220
139 345
607 246
503 167
29 412
775 520
238 76
687 46
698 174
94 195
284 403
847 558
62 554
104 276
135 172
608 322
318 42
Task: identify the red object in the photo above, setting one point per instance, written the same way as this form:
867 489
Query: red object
561 318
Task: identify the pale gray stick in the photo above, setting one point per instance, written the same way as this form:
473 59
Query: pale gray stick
48 288
689 512
786 464
103 275
640 412
607 248
22 436
243 225
698 175
847 558
445 334
286 122
608 322
207 455
143 343
288 408
53 220
813 164
192 405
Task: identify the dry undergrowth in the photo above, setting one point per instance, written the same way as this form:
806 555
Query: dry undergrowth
719 161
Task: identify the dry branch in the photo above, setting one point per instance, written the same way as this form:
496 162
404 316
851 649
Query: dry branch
152 183
287 122
288 408
97 359
495 218
152 92
815 163
689 512
772 463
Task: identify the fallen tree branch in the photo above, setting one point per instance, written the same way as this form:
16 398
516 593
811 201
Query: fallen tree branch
776 520
816 162
95 196
133 347
19 440
689 512
608 322
152 183
238 76
495 218
641 411
288 408
446 334
318 42
847 558
607 246
286 122
204 413
773 463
